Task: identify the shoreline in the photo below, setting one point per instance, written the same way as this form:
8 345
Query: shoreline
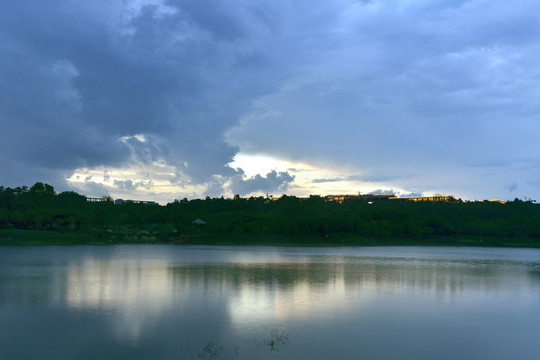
44 237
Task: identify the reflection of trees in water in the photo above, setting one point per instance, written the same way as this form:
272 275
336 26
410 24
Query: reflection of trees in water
393 274
26 290
440 277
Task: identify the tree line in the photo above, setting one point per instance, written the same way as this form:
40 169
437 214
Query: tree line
313 219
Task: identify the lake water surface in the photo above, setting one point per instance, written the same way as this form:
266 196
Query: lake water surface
205 302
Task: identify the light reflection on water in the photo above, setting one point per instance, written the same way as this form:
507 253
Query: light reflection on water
167 302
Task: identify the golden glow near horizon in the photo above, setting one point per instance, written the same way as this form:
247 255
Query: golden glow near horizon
306 174
162 183
325 179
137 182
156 181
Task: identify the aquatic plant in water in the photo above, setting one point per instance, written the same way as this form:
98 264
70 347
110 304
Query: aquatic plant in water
211 351
277 340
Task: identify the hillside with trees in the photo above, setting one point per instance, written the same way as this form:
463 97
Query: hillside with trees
40 215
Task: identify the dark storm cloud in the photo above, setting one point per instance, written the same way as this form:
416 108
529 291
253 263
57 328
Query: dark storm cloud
430 88
80 79
220 18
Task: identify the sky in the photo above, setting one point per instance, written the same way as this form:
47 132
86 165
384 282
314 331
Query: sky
170 99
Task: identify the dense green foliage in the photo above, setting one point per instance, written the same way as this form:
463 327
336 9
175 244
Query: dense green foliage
289 219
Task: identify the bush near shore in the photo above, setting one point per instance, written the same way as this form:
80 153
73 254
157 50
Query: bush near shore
40 215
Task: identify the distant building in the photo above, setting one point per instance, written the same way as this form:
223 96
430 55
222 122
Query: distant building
122 202
366 197
201 223
435 198
371 198
501 201
95 199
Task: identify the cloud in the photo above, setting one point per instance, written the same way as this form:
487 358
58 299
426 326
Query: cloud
124 184
321 181
395 192
362 178
81 82
106 176
90 189
511 187
131 185
407 90
423 95
381 192
274 182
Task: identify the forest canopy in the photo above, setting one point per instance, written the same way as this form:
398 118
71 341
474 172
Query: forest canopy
288 219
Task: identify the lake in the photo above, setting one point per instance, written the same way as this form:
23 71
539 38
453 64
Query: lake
210 302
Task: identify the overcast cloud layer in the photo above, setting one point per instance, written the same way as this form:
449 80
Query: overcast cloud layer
424 96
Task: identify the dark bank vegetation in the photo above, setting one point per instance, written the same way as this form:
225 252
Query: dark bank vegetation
39 215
